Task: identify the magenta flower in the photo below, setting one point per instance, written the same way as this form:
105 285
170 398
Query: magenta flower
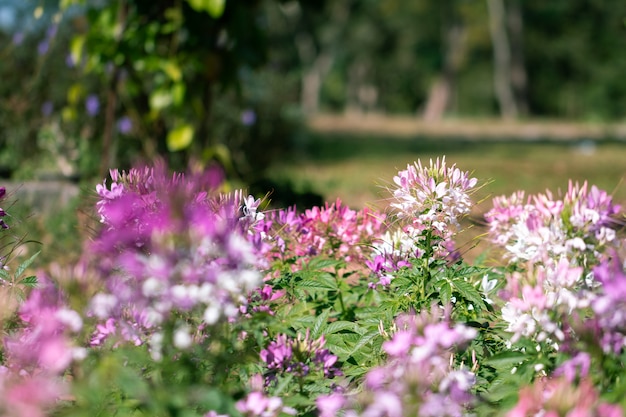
256 404
3 225
560 397
334 230
298 356
418 378
188 248
329 405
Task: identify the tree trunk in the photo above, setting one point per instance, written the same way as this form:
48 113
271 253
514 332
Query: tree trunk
443 88
519 79
311 83
501 59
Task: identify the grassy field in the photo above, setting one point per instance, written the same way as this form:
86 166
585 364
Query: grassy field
359 168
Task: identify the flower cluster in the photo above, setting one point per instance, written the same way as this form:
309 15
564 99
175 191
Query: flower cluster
261 300
542 228
38 354
257 404
419 377
334 230
562 397
433 196
3 225
428 201
608 324
299 356
555 244
172 244
537 300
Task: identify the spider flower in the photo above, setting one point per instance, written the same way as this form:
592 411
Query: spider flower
544 229
172 243
419 377
299 356
433 196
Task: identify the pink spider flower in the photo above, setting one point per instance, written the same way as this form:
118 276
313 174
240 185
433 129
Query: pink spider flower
418 378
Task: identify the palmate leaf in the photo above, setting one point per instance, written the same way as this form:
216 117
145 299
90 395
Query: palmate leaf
30 281
20 269
445 292
321 282
367 338
319 326
4 274
506 360
468 291
339 326
322 263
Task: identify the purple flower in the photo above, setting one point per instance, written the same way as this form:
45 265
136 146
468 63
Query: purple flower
47 108
52 31
419 378
18 38
576 367
69 61
278 354
92 105
298 356
256 404
208 274
248 117
124 125
43 46
400 344
329 405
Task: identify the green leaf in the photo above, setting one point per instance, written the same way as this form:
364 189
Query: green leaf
506 359
363 341
77 46
284 383
161 99
322 263
4 274
30 281
180 138
338 326
467 291
214 7
315 284
20 269
172 70
320 324
445 292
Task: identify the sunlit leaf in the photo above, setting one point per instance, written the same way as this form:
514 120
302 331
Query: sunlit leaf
160 99
214 7
180 138
74 93
172 70
76 47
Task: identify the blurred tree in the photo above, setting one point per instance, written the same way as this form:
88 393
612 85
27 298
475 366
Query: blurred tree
105 82
502 59
165 60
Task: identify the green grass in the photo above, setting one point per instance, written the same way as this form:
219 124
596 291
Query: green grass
358 169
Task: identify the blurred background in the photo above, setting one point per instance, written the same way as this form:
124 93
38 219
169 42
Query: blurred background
310 100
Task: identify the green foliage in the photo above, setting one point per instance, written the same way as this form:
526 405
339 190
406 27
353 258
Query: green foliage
17 283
